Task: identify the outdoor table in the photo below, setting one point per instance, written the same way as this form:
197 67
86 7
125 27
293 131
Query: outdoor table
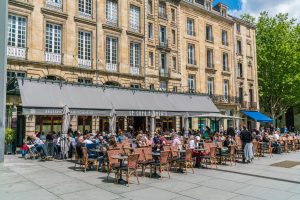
121 159
156 158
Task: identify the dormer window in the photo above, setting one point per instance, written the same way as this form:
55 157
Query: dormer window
207 5
224 12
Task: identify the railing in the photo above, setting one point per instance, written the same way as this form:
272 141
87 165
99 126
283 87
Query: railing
224 99
135 70
191 33
163 15
53 57
112 22
112 67
55 5
252 105
163 43
84 63
164 73
210 66
244 104
84 15
16 52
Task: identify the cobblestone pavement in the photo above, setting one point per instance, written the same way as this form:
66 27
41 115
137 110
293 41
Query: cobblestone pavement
36 180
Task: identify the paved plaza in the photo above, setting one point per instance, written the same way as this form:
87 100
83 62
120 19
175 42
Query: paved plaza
32 179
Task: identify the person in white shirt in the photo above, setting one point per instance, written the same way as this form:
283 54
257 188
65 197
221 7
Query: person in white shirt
191 144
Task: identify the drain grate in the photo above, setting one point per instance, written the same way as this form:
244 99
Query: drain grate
286 164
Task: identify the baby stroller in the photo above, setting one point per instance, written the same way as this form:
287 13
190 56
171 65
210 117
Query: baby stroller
32 152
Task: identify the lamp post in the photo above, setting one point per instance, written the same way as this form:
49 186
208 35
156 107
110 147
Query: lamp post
3 62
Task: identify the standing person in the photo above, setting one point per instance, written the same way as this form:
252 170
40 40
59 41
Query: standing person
206 133
246 138
231 132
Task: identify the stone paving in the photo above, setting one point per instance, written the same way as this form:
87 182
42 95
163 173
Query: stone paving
32 179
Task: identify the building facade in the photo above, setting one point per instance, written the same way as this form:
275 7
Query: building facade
167 45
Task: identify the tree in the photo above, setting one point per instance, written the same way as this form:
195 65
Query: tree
248 18
278 59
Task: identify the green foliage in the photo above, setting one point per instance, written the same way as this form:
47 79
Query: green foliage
278 59
248 18
10 135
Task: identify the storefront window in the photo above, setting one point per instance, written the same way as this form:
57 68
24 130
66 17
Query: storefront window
48 123
85 123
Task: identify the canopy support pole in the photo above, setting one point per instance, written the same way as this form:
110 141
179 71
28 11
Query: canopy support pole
153 125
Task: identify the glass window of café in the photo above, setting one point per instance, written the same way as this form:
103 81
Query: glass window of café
84 123
48 123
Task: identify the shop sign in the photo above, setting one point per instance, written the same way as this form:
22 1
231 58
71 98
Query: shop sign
144 113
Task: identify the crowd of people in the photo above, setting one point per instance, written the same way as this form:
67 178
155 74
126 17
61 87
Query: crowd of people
63 146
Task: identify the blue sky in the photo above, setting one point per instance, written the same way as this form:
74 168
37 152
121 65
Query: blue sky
232 4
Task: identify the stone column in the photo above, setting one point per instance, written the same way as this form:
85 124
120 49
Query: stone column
186 126
30 125
177 124
125 124
153 125
74 122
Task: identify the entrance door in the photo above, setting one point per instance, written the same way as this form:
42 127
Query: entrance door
139 123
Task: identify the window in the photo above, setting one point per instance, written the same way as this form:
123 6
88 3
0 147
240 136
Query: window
162 10
134 18
190 27
151 58
250 72
224 38
207 5
225 62
173 37
173 13
16 31
223 12
111 50
238 28
135 55
226 88
174 63
240 70
163 35
84 48
251 96
191 54
112 12
12 75
209 34
135 86
150 30
85 80
210 86
53 38
85 8
249 49
191 83
241 94
150 7
210 59
151 87
163 86
54 4
239 47
163 62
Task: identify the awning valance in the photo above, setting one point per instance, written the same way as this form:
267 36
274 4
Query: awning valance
40 97
257 116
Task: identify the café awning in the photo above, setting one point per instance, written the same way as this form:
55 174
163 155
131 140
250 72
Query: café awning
40 97
257 116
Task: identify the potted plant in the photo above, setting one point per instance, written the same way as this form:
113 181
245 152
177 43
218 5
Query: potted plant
10 137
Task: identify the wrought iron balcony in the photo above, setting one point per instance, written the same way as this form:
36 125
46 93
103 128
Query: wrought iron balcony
16 52
55 58
134 70
84 15
112 67
164 73
84 63
252 105
163 44
54 5
224 99
163 15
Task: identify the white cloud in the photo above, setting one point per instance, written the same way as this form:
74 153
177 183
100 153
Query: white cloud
254 7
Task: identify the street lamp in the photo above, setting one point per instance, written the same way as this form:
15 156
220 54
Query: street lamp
3 62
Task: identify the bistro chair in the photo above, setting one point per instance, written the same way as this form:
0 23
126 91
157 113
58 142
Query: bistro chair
86 161
187 161
148 159
142 158
255 149
174 157
131 168
231 154
113 164
163 163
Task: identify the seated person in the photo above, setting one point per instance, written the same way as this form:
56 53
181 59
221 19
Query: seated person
39 145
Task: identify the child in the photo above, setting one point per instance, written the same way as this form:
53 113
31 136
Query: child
24 149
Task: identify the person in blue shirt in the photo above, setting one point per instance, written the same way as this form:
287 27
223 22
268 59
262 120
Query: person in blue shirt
121 137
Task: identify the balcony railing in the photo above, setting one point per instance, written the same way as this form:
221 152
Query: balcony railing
112 22
163 44
53 4
55 58
252 105
224 99
16 52
164 73
84 15
163 15
112 67
135 70
210 66
84 63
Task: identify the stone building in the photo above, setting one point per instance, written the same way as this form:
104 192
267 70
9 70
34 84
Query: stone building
187 46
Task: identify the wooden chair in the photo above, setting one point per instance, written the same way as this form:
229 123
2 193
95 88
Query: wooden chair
148 159
113 164
78 160
232 154
86 161
255 149
163 163
213 156
131 168
174 157
188 160
142 158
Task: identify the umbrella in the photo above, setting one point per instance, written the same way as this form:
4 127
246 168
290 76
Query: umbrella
186 124
112 121
66 120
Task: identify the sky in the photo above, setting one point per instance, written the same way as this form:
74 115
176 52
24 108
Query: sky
254 7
